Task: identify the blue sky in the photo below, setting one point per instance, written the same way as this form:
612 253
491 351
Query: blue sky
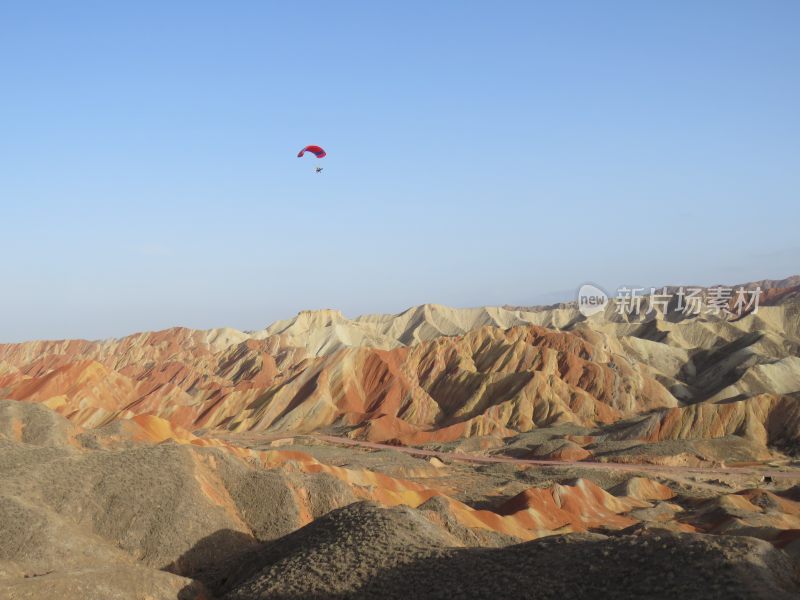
479 153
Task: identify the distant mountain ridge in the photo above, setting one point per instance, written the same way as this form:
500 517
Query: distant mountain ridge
430 373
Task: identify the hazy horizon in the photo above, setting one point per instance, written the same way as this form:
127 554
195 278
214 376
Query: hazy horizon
477 155
537 300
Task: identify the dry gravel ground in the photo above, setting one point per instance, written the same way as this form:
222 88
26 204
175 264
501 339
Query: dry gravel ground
105 583
364 551
138 521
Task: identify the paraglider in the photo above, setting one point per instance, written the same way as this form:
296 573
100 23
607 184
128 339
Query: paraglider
316 151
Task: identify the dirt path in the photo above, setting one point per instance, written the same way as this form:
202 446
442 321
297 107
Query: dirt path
788 473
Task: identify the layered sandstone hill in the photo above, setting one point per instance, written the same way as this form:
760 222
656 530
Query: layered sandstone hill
208 464
141 509
437 374
489 380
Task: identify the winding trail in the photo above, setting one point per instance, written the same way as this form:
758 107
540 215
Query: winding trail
786 473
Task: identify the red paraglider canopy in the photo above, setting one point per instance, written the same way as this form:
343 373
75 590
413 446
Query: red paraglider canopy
316 150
